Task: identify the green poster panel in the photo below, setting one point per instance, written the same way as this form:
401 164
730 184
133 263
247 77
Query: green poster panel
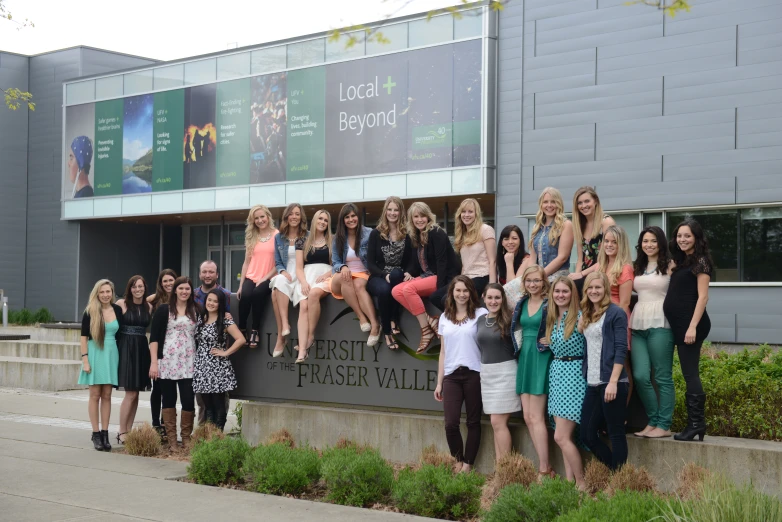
233 137
168 133
108 147
306 116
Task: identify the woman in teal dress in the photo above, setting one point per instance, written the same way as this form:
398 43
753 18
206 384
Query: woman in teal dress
100 357
529 328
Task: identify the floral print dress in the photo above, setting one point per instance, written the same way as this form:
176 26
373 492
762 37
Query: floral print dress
178 349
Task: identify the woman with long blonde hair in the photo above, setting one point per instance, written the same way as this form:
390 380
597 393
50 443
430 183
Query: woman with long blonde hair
257 270
589 226
100 357
551 239
434 265
313 271
604 325
475 242
389 254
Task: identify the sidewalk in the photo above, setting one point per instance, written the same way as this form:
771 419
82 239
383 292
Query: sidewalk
50 472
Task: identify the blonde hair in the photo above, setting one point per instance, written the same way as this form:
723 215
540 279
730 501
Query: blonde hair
309 243
251 233
580 223
542 273
420 237
93 309
622 254
572 308
384 227
540 217
591 311
284 227
466 236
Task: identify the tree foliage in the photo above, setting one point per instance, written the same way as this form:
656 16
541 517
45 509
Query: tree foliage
669 7
15 98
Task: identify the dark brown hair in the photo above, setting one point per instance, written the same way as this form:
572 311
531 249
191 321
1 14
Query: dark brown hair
191 308
161 296
130 304
450 302
504 316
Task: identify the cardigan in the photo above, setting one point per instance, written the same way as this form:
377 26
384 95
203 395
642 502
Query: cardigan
440 257
281 251
614 349
85 321
515 326
339 259
376 260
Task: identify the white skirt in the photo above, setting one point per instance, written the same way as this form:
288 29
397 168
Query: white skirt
281 283
498 388
311 273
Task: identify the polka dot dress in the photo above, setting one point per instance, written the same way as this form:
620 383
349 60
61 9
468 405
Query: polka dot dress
567 385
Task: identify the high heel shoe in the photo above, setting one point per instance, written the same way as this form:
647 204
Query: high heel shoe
96 441
427 336
696 421
104 438
300 359
253 343
286 332
119 440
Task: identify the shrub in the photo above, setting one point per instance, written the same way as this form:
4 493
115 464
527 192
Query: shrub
218 461
279 469
624 506
238 413
434 491
43 315
630 478
597 476
690 480
356 476
206 432
744 393
430 455
512 468
22 317
282 436
143 441
538 503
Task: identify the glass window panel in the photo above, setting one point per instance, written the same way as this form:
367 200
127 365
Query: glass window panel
202 71
199 236
169 77
110 87
138 82
236 235
469 25
761 244
306 53
233 66
267 60
214 235
394 38
721 230
653 220
437 29
629 222
80 92
236 258
339 50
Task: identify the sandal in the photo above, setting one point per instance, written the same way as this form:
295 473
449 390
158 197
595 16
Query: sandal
434 323
119 440
392 344
161 430
253 339
395 329
301 359
427 336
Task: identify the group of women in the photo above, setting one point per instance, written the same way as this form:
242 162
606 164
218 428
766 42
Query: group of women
554 344
187 351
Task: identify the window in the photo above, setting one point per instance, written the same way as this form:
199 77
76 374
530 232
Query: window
109 87
437 29
394 38
266 60
630 223
233 66
761 244
654 219
80 92
169 76
469 25
199 238
311 52
721 230
339 50
202 71
138 82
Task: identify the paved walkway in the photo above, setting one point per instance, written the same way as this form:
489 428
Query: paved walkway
51 473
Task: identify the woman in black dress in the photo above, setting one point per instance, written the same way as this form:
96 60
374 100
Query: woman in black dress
685 309
134 358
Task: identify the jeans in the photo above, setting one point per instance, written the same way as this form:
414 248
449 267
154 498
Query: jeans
690 358
594 412
409 293
155 401
438 297
378 287
255 298
463 386
187 397
653 349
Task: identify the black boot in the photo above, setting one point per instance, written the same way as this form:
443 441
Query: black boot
222 418
96 441
104 439
696 417
211 417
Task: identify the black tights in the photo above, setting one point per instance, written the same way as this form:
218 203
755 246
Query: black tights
255 298
690 357
186 395
215 408
155 401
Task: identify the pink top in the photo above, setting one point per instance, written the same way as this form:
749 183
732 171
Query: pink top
262 261
475 261
625 276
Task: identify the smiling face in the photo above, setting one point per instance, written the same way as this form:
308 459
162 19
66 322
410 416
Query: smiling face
493 300
212 304
596 290
461 294
138 289
183 292
208 273
322 222
105 294
467 214
549 205
167 283
294 218
610 245
420 221
392 213
260 219
351 221
650 246
586 204
562 295
512 242
533 283
685 239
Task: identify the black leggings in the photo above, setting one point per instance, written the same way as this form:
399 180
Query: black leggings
463 386
690 357
187 397
255 298
155 401
438 296
378 287
215 403
595 411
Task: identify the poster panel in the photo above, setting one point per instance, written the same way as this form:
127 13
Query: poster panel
168 130
200 137
137 151
233 140
268 129
108 147
306 130
79 153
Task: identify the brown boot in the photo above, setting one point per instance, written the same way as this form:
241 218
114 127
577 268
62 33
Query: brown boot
169 421
187 427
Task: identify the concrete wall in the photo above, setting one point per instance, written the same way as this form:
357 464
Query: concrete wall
14 70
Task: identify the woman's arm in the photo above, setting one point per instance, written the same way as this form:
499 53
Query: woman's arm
239 341
438 391
85 362
700 308
122 305
305 287
625 293
157 335
336 258
563 252
610 393
279 242
490 244
578 274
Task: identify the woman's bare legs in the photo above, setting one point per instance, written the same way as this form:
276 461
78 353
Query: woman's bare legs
105 406
348 292
303 325
366 304
127 411
93 406
279 345
534 407
502 439
313 312
563 436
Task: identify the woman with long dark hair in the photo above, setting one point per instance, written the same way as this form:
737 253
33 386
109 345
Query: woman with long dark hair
651 333
685 309
213 374
162 295
172 348
350 272
498 367
512 259
459 369
134 359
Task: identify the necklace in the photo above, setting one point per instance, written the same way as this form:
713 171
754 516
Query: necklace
489 324
265 239
319 243
463 320
650 269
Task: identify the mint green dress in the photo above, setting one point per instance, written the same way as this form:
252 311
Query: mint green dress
532 374
104 362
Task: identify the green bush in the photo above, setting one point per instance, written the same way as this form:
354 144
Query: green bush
356 476
43 315
538 503
218 461
278 469
744 394
624 506
434 491
21 317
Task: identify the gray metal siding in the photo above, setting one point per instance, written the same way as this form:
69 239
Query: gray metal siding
13 177
657 113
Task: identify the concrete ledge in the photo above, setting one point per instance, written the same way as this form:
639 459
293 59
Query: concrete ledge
401 438
66 332
39 374
41 349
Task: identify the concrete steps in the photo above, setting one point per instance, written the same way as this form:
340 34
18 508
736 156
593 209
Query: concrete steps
68 334
50 360
41 349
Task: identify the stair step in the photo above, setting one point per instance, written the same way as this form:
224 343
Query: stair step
67 334
41 349
39 374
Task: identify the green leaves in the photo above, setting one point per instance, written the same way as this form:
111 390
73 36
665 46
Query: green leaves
14 98
668 7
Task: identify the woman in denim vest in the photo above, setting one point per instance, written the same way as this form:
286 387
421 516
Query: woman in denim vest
552 235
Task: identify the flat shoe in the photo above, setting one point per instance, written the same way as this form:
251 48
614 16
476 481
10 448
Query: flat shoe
278 354
373 340
366 327
286 333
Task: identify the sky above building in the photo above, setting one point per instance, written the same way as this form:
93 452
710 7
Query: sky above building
167 30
